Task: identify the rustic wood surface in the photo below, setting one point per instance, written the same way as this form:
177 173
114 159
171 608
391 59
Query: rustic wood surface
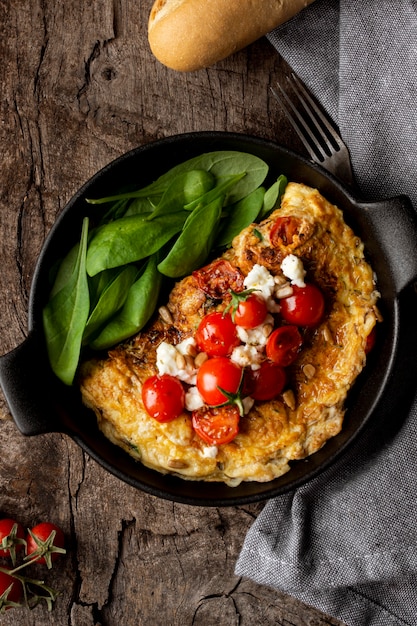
79 88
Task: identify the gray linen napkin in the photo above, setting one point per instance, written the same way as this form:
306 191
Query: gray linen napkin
346 542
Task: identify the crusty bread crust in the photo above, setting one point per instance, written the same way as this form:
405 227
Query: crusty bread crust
188 35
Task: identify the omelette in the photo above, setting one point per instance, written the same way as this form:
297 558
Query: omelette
304 240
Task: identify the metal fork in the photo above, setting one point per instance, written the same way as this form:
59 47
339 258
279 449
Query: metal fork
315 129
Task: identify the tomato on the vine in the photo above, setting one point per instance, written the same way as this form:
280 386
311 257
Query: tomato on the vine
250 310
305 307
11 591
46 541
216 425
216 334
12 538
268 381
283 345
215 375
163 397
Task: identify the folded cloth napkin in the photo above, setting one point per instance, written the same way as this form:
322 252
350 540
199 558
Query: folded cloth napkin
346 542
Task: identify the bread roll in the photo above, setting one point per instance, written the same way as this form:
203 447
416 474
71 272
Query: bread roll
188 35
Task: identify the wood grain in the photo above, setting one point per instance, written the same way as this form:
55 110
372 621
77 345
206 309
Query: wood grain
79 87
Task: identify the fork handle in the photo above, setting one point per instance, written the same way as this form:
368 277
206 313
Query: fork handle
394 227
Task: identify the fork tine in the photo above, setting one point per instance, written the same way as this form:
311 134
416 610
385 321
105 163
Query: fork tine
300 126
326 125
313 126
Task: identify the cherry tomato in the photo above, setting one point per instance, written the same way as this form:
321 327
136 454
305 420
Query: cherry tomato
163 397
268 381
216 425
12 538
284 231
251 311
216 334
11 591
218 372
305 307
283 345
217 278
45 540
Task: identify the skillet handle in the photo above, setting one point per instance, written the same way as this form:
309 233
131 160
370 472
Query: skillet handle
27 388
394 224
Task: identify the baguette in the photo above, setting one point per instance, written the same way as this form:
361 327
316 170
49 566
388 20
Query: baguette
188 35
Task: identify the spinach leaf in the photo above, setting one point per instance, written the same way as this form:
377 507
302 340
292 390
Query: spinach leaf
195 241
142 206
225 163
239 216
130 239
273 196
137 310
185 188
65 316
110 297
222 189
220 163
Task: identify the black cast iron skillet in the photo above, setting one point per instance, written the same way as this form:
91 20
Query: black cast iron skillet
39 403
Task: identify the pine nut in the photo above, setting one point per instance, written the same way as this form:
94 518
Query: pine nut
267 329
165 313
289 399
189 362
284 292
180 361
327 335
200 359
309 371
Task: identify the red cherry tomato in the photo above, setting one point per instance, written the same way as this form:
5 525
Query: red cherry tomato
216 425
218 278
163 397
284 231
216 334
45 540
251 311
218 372
11 591
305 307
283 345
268 381
12 538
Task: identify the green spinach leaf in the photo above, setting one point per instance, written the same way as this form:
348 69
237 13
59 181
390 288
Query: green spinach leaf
131 239
273 196
110 297
65 316
239 216
185 188
193 245
138 308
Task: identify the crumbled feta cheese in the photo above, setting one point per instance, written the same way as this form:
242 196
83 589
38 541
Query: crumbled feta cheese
184 346
166 359
193 399
260 279
167 363
246 355
255 336
292 267
209 452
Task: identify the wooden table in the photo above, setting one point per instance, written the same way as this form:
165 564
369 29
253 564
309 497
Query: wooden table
80 87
